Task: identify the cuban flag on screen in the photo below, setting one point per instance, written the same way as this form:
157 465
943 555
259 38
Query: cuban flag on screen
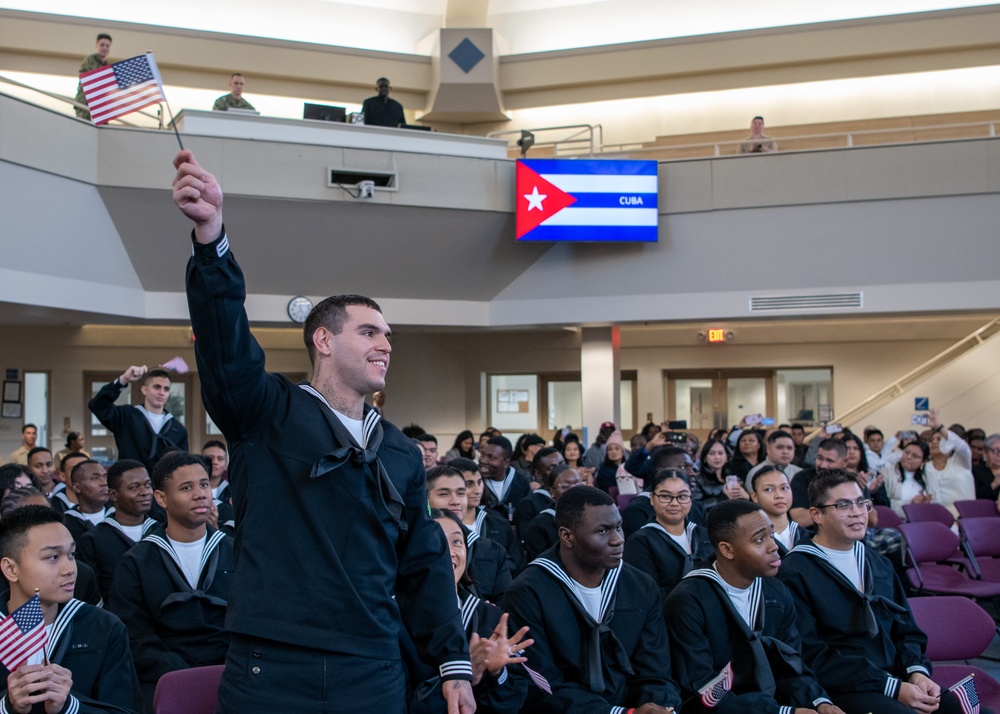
586 200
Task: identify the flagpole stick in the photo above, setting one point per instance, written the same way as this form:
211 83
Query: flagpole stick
174 125
45 659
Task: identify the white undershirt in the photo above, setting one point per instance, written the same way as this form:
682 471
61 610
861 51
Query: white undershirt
474 527
155 420
591 599
355 426
133 532
682 540
37 658
189 555
846 563
218 489
95 518
499 488
909 489
740 599
785 537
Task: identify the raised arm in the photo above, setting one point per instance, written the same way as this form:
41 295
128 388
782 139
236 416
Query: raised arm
198 196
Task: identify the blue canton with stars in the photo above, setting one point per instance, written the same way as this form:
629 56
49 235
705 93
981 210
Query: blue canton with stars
466 55
29 615
132 71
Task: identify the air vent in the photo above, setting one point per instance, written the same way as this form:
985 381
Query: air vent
832 301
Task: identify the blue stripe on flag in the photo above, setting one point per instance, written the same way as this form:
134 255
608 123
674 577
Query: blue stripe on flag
592 234
595 166
614 200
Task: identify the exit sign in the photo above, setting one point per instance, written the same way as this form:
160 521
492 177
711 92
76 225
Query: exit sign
716 336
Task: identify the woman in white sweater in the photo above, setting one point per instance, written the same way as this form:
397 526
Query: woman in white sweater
949 472
905 480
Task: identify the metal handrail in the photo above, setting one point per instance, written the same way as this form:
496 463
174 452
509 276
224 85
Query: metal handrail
68 100
571 139
867 406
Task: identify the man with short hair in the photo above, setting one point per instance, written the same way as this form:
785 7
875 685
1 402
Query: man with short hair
40 463
235 99
89 482
798 432
528 445
487 563
527 508
858 634
346 488
29 435
483 521
171 589
217 453
146 431
758 142
831 454
505 487
380 110
736 618
86 665
62 496
130 491
430 446
600 638
780 454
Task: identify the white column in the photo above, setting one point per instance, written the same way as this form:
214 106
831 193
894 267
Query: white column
600 377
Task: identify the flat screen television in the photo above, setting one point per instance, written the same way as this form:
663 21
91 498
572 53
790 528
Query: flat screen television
324 112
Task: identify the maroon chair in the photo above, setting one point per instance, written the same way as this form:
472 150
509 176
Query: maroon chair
887 518
957 629
919 512
188 691
983 538
624 499
928 546
977 509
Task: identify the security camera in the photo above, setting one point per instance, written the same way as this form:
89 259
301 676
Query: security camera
526 141
366 189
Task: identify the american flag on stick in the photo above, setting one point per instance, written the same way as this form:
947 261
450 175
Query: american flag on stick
967 695
713 692
22 634
122 88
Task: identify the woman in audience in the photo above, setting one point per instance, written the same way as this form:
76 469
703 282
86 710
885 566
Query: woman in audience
708 485
74 443
614 456
749 452
774 494
541 533
987 473
498 683
949 470
905 481
464 447
669 547
16 476
572 454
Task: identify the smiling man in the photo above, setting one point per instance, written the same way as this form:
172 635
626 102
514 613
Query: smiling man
736 619
299 453
86 666
600 638
146 431
858 634
171 589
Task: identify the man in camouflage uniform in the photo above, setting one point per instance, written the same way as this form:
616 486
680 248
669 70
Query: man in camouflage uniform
233 100
94 61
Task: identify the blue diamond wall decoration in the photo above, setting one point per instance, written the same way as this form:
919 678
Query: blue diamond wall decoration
466 55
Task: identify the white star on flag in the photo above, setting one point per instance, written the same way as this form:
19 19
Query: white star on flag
535 199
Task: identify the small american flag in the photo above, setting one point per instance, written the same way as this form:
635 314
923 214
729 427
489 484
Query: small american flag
713 692
967 695
539 681
122 88
22 634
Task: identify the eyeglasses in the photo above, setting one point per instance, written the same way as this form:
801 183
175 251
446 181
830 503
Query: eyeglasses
844 506
994 451
666 498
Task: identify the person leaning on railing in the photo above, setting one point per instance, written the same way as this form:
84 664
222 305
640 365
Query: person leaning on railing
758 142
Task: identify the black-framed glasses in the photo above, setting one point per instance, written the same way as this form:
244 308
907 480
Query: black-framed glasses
666 498
864 505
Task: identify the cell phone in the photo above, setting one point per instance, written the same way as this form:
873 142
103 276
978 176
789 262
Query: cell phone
681 424
753 419
834 428
920 419
676 437
732 481
767 421
907 435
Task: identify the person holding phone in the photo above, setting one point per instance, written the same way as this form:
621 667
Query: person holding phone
950 465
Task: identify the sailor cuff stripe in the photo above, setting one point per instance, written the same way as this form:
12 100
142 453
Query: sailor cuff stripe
456 670
891 687
503 676
918 668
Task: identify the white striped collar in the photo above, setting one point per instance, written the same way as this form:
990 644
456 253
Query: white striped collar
468 609
688 531
471 537
548 511
859 556
211 543
756 590
368 423
480 519
608 584
62 621
146 526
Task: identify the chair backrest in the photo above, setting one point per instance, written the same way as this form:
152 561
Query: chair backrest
887 518
956 627
977 509
917 512
983 535
188 691
929 541
624 499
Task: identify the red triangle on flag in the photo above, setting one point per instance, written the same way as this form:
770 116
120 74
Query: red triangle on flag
537 199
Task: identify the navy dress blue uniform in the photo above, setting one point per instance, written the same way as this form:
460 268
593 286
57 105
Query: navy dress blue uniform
315 613
707 633
93 645
654 552
861 644
541 533
134 436
593 666
103 546
490 524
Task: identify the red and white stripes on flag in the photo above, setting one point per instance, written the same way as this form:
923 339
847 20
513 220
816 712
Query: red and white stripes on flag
967 695
716 688
22 634
122 88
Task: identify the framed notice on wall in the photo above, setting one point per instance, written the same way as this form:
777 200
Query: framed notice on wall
11 391
11 410
512 401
